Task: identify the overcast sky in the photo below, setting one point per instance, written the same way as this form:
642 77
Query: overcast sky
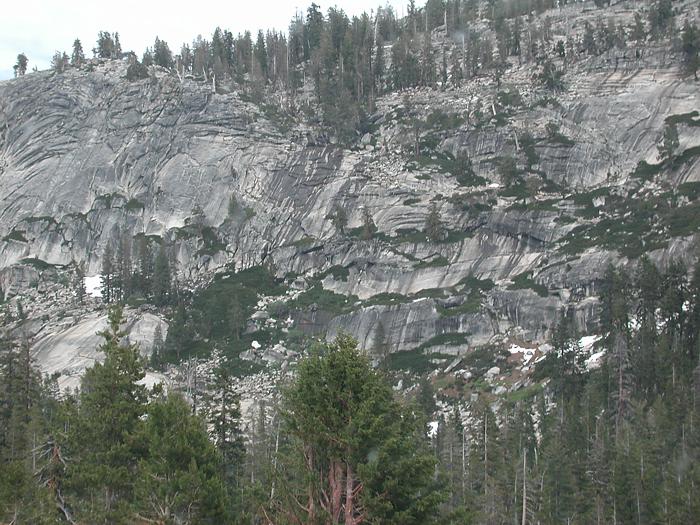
40 27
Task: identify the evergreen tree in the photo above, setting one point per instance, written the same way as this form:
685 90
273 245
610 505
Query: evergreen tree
144 278
339 217
79 283
103 442
222 408
260 53
106 46
107 277
660 17
162 56
78 55
380 347
59 62
179 478
669 143
24 410
179 339
368 226
21 66
161 279
690 45
362 456
434 228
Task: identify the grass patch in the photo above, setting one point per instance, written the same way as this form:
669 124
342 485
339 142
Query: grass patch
524 394
689 119
211 242
39 264
646 171
686 156
441 121
386 299
524 281
432 263
445 339
323 299
304 242
15 235
415 361
108 198
134 205
690 190
470 305
481 359
339 273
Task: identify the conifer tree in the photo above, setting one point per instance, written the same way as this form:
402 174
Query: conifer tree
434 228
103 441
20 67
161 279
107 277
179 478
690 46
360 453
78 55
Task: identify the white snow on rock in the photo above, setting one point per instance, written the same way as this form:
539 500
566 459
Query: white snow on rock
527 353
588 341
595 360
256 345
152 379
432 429
93 286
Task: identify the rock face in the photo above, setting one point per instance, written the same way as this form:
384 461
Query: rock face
86 156
68 351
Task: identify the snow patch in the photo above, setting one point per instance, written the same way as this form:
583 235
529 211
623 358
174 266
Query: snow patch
588 341
255 345
93 286
594 361
432 429
152 379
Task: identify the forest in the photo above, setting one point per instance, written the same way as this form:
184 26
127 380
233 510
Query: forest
615 444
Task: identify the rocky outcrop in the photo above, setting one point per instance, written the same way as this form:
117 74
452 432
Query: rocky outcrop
72 346
86 156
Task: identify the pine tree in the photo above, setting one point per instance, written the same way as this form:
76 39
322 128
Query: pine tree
380 346
107 276
21 66
179 338
179 478
162 279
368 226
144 280
103 441
59 62
339 217
124 268
79 283
23 413
690 46
158 347
106 46
434 228
222 409
359 452
162 56
78 56
669 143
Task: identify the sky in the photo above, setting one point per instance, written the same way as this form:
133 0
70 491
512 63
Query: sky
39 28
